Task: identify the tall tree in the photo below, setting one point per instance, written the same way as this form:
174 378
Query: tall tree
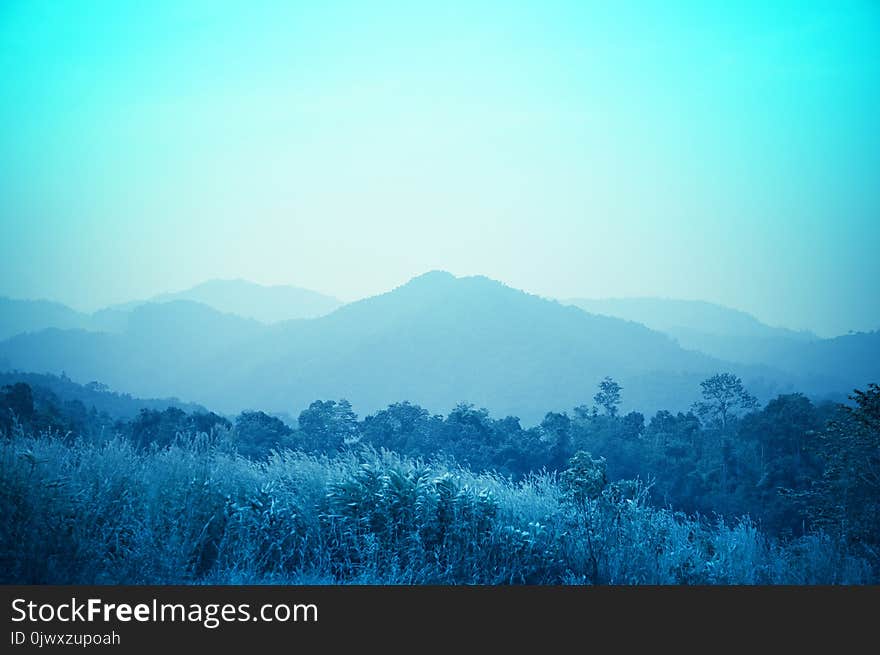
608 396
724 397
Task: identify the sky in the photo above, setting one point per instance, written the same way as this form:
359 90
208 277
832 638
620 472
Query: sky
723 151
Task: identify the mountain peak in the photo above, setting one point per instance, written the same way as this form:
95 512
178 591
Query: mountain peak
432 277
439 279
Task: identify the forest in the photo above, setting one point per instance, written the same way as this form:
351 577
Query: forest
100 488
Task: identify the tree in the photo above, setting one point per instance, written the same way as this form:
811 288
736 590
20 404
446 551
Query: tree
402 427
469 436
674 447
556 429
155 428
520 451
583 413
780 431
16 405
608 396
778 466
257 433
585 478
632 425
724 396
328 425
207 422
847 499
18 398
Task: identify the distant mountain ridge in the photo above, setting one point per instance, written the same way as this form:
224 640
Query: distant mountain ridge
719 331
20 316
267 304
674 316
439 340
436 340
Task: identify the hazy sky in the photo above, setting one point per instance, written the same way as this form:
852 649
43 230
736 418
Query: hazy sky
721 151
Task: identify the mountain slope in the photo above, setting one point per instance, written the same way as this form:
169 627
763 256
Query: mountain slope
267 304
164 349
849 361
813 365
95 395
721 332
686 317
438 340
19 316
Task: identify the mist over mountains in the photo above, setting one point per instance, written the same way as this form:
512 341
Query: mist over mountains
716 330
266 304
688 317
20 316
436 340
731 335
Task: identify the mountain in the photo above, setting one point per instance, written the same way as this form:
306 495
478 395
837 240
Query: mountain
18 316
814 365
439 340
436 340
22 316
719 331
849 361
687 317
163 349
267 304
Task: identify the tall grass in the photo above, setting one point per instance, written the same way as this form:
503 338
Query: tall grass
195 512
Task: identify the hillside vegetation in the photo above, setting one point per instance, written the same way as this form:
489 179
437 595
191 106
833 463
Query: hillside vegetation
729 494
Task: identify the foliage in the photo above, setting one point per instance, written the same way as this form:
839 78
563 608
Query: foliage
585 477
608 396
723 397
846 500
328 425
797 472
257 434
196 512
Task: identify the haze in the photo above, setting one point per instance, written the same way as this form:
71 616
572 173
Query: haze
725 153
